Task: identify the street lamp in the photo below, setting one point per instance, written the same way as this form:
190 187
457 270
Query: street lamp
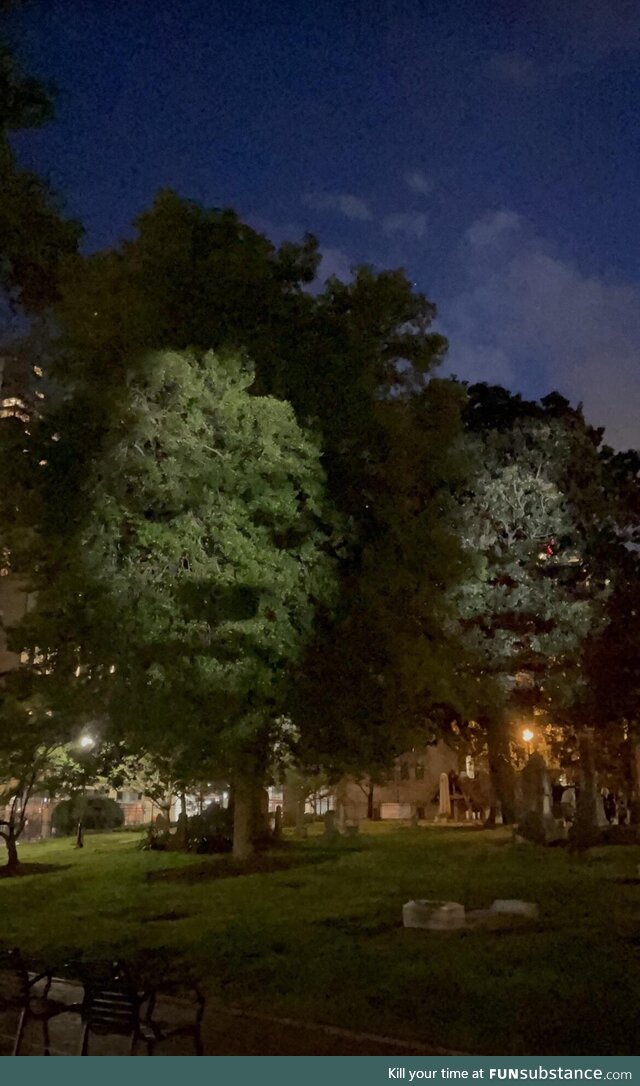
85 742
528 736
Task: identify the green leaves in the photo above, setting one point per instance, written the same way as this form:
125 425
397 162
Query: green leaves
201 551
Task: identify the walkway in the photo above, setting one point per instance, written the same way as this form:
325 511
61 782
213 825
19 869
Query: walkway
225 1033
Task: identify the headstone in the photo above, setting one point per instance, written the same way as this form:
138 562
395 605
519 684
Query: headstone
451 915
568 804
433 915
330 831
601 818
537 822
182 830
444 810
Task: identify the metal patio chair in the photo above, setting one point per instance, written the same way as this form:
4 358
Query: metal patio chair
112 1007
19 991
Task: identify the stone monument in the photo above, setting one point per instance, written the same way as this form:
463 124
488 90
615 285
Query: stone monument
444 809
537 822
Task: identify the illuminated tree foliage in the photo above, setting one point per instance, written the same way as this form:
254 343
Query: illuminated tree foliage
538 526
188 564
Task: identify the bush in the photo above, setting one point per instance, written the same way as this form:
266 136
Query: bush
212 831
95 812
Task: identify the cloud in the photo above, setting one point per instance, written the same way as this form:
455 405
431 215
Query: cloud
332 261
335 262
514 68
417 181
413 224
352 207
492 229
526 311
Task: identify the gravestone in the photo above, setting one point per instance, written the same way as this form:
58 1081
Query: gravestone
277 824
433 915
444 809
568 804
601 818
330 831
182 831
537 822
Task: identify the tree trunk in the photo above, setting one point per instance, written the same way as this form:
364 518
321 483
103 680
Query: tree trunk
243 817
500 767
634 797
12 851
165 807
586 832
370 801
260 831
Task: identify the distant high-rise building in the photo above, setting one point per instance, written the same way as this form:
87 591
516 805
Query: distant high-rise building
19 391
19 399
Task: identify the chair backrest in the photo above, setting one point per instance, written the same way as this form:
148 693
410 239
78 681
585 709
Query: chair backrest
14 979
112 1004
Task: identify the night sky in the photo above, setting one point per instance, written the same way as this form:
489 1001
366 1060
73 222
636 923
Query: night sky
490 147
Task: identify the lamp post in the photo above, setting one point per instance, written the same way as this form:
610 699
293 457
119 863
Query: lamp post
85 742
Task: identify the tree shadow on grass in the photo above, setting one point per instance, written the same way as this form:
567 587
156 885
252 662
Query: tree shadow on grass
225 867
31 869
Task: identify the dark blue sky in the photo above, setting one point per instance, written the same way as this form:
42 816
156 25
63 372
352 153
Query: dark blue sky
491 148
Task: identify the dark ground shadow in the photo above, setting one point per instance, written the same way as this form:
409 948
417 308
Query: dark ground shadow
225 867
30 869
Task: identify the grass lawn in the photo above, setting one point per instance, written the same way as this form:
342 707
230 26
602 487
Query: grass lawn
321 937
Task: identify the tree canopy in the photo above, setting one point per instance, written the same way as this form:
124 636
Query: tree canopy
187 583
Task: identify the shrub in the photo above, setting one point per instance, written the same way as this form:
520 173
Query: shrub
211 831
96 813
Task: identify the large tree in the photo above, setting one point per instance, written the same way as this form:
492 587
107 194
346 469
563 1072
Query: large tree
31 736
181 578
538 524
386 675
196 277
602 721
351 358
